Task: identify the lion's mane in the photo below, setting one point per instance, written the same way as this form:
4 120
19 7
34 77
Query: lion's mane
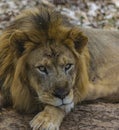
20 38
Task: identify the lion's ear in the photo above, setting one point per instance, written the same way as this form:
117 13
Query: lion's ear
17 41
79 39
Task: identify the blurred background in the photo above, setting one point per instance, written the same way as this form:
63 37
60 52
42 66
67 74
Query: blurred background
86 13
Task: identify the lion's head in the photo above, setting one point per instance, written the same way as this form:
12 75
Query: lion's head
42 60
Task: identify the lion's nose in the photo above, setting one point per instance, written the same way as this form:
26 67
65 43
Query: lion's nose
61 92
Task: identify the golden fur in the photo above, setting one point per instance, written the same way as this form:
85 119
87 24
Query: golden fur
42 38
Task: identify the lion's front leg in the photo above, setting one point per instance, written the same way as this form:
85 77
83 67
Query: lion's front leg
49 119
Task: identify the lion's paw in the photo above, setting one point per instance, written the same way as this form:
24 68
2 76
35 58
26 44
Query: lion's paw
43 121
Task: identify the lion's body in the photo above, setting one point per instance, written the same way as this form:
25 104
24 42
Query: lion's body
104 60
45 61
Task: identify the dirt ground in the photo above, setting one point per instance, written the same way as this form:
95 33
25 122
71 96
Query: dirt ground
86 116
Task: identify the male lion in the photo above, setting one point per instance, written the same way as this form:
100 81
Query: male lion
48 65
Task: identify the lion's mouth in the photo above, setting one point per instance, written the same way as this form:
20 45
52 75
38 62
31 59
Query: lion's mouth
66 101
67 107
64 104
67 104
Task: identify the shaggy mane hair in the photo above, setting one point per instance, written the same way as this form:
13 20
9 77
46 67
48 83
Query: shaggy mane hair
26 33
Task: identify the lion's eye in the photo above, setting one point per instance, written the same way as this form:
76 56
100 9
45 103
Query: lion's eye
68 67
42 69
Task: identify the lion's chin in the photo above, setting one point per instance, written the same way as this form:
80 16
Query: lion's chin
67 107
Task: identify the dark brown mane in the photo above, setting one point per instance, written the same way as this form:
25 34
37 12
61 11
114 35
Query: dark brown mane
44 21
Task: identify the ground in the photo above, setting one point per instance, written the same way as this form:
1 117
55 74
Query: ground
95 115
86 116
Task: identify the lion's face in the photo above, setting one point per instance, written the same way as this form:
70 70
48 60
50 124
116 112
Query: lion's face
48 67
52 74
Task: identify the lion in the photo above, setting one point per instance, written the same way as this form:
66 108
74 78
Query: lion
48 66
